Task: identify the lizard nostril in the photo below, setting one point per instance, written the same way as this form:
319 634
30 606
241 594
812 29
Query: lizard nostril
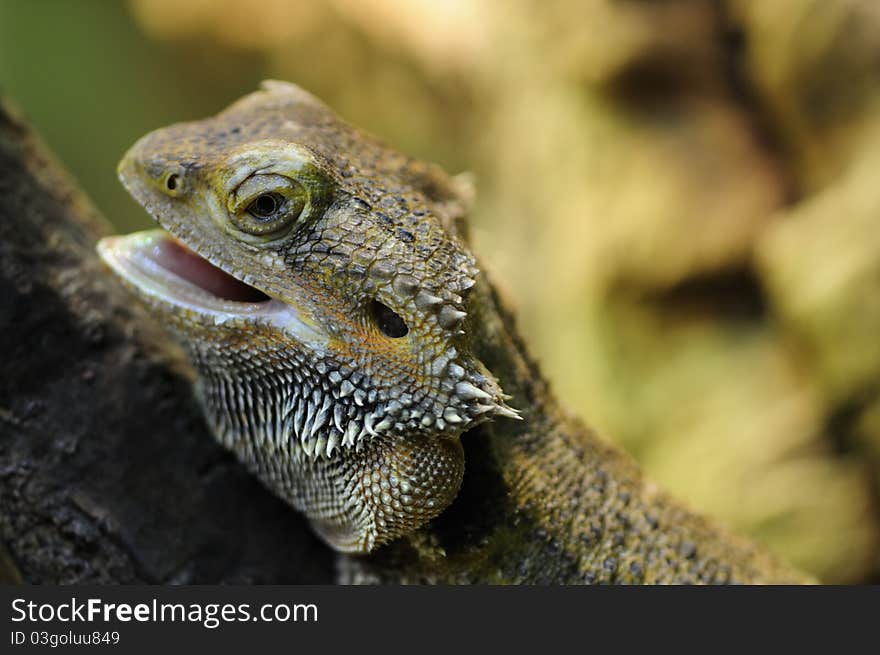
388 321
172 182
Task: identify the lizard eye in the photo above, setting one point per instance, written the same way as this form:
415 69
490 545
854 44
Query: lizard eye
266 204
388 321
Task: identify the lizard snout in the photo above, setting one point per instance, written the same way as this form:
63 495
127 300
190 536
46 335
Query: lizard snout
166 176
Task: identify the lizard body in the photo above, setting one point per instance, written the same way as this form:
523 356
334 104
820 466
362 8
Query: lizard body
345 341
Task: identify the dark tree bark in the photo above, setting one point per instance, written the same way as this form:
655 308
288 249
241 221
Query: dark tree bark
107 472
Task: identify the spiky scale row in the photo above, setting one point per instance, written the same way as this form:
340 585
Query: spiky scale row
320 417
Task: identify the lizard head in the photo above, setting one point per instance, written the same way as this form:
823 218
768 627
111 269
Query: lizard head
320 287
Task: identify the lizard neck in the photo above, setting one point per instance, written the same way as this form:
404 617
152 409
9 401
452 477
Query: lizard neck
546 500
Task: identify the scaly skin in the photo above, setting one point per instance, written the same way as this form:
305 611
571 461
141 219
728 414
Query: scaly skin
347 387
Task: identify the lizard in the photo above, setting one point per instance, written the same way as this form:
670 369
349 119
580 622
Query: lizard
349 350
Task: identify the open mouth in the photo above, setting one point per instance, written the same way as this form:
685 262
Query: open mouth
162 267
168 273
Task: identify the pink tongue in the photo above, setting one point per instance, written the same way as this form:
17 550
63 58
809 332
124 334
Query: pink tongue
180 260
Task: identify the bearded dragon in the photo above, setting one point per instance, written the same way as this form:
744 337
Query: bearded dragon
349 351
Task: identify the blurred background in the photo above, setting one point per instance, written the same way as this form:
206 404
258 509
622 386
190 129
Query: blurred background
681 197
